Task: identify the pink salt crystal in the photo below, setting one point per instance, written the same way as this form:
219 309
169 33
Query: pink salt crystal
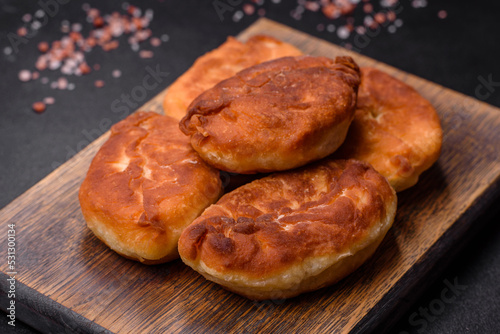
343 32
146 54
54 64
155 41
379 18
99 83
27 17
93 13
361 30
24 75
76 27
62 83
67 70
116 73
22 31
248 9
312 6
49 100
391 16
39 107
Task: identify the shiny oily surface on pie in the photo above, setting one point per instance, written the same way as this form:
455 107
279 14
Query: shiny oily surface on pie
274 116
144 186
219 64
394 129
293 231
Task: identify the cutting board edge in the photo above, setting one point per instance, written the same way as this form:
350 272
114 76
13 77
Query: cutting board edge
44 314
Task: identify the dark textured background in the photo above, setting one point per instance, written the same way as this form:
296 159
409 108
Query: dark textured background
454 52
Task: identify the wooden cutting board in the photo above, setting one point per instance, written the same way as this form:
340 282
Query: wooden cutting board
69 281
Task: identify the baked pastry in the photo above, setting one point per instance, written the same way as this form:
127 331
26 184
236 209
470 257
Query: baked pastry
293 231
219 64
144 186
395 129
274 116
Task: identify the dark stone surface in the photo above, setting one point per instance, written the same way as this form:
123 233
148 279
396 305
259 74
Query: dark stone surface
458 52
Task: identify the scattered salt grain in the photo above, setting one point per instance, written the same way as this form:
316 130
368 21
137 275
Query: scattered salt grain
146 54
76 27
24 75
43 47
7 50
27 17
39 13
22 31
361 30
368 8
116 73
343 32
155 41
54 64
49 100
238 15
62 83
39 107
36 25
99 83
149 13
249 9
312 6
379 18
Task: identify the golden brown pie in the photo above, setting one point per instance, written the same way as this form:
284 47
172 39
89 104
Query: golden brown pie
144 186
293 231
274 116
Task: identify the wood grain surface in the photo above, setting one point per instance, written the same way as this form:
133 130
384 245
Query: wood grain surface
73 282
